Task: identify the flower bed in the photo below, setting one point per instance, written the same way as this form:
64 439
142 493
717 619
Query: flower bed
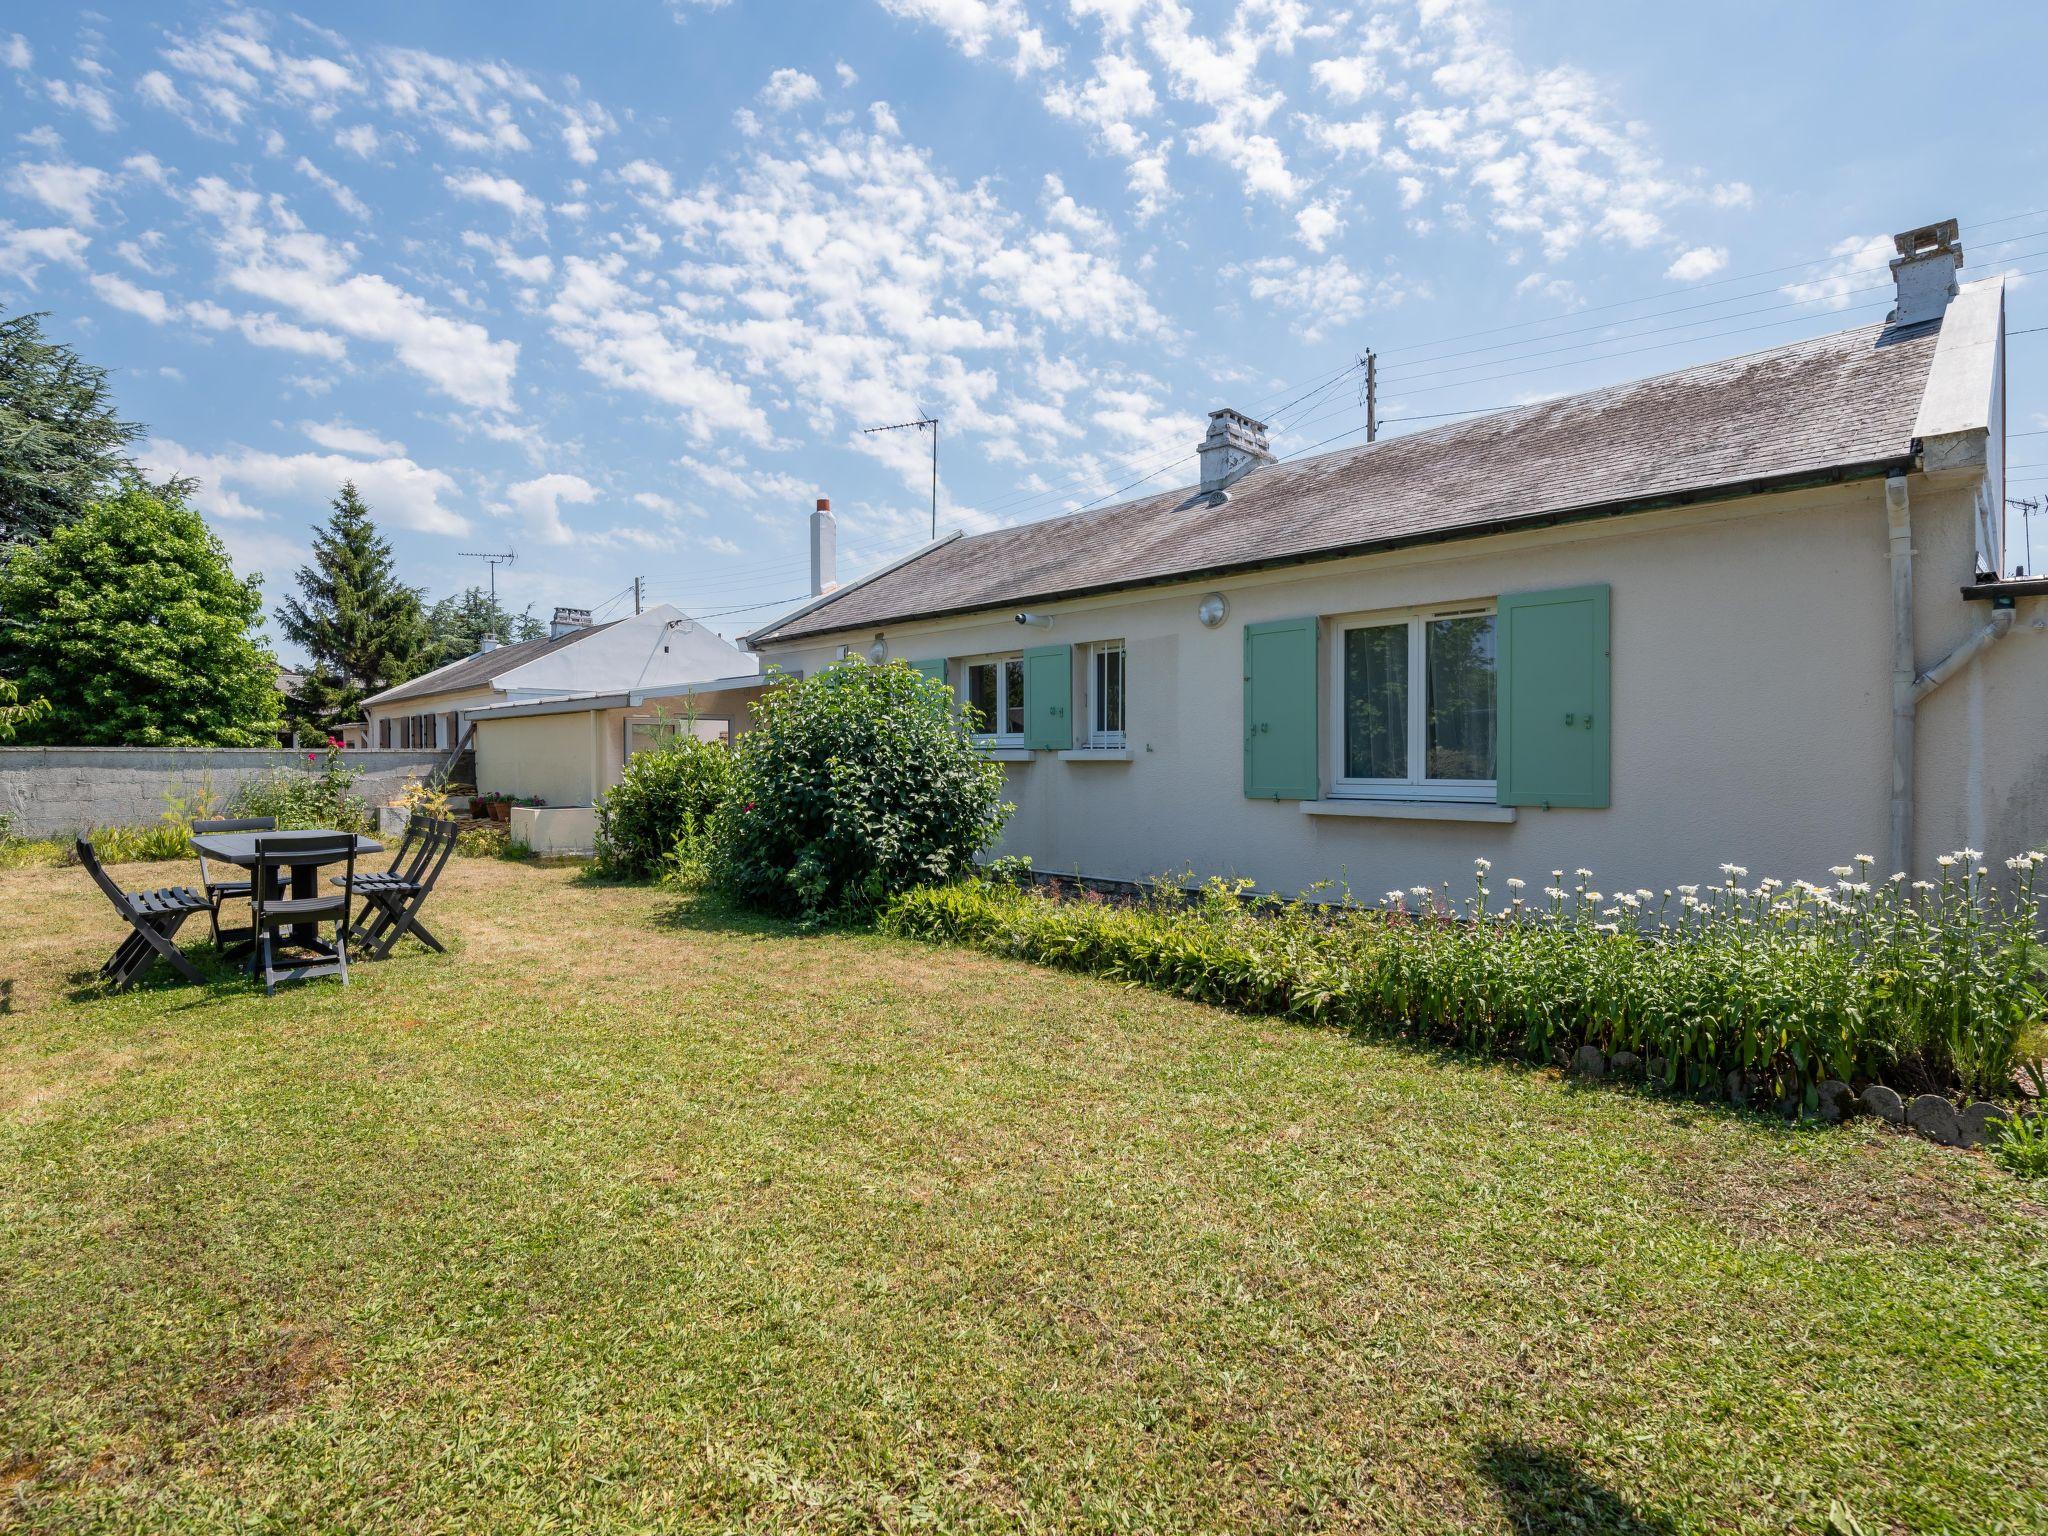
1785 985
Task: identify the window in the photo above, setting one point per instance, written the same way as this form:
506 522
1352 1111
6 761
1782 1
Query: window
416 731
995 693
1105 683
1414 704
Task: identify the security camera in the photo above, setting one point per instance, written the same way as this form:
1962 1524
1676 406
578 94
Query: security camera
1036 620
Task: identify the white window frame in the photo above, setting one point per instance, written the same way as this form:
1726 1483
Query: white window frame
1415 786
996 659
1099 737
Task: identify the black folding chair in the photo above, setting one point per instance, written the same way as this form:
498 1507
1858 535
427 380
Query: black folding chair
154 918
279 858
392 898
235 887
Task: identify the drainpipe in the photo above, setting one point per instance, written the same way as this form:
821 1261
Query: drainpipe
1899 522
1909 684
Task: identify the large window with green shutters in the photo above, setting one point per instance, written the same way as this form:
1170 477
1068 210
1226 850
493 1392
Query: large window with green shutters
1414 704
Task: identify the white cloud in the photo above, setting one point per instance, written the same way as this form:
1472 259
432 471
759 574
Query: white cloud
525 208
65 189
1857 262
1315 224
1347 79
122 294
239 482
344 198
788 88
360 140
25 252
88 100
1697 264
343 437
1322 297
540 501
15 52
979 26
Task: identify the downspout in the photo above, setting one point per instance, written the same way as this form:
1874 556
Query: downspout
1909 684
1899 523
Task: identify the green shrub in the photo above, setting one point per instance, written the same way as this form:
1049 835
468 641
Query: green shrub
2023 1147
856 783
1788 985
666 794
316 796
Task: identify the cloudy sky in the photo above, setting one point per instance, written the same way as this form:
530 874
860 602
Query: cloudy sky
621 293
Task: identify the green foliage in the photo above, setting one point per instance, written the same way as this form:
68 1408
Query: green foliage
856 783
1788 985
62 447
132 623
666 795
2023 1148
319 796
14 712
363 628
458 626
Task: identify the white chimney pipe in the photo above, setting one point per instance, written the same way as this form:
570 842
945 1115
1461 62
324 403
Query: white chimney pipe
1925 271
824 549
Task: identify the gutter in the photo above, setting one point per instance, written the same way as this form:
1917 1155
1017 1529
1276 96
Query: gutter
1844 474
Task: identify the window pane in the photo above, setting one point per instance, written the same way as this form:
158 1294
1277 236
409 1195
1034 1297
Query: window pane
1113 690
1376 702
1461 706
981 695
1013 696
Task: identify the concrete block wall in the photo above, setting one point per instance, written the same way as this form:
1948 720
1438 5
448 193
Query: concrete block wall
51 791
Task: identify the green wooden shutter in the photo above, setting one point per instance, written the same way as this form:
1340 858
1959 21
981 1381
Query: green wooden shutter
1049 698
1556 733
1282 744
934 668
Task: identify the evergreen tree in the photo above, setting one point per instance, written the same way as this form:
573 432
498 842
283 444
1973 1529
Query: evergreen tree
62 447
460 624
363 628
131 622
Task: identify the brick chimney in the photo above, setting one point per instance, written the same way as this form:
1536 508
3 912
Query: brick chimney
1925 271
1236 445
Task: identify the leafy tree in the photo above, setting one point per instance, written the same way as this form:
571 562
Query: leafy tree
132 623
458 625
364 629
62 447
14 714
854 784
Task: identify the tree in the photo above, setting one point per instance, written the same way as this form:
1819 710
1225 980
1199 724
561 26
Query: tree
459 625
15 712
364 629
132 623
62 446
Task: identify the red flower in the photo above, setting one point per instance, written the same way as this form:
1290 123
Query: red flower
750 807
312 757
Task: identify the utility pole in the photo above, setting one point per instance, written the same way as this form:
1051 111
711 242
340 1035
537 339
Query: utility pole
636 594
1372 396
2028 507
921 423
495 561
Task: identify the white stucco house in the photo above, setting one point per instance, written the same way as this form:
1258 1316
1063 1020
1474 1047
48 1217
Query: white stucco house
1750 612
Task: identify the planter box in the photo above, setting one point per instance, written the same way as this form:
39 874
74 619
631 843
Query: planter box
558 829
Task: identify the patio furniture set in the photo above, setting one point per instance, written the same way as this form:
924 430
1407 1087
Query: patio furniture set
278 874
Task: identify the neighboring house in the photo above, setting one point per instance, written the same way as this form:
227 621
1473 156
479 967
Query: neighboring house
657 649
1747 613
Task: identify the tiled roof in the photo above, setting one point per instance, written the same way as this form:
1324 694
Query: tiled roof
1837 403
478 670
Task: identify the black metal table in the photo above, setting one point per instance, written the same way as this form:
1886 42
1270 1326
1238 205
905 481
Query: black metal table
239 848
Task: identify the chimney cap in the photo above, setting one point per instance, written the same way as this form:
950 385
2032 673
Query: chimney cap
824 504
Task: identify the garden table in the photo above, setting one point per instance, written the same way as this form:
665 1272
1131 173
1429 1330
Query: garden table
240 848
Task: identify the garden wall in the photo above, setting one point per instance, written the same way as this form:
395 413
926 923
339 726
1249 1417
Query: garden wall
46 791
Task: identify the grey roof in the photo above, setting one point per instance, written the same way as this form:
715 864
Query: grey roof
1833 406
478 670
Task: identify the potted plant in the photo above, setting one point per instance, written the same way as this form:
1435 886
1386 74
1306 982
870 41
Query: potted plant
496 804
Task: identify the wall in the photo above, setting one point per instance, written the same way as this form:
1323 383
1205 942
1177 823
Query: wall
1751 706
557 757
50 791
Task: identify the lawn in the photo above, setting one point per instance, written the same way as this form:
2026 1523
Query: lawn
629 1216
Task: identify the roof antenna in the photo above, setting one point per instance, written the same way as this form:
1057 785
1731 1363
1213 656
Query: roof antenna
921 423
495 560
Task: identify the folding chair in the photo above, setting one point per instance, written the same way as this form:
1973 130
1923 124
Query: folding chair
284 855
393 898
236 887
154 918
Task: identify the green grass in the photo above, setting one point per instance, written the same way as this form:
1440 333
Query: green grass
627 1216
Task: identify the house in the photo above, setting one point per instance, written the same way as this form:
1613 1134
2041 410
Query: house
571 671
1746 613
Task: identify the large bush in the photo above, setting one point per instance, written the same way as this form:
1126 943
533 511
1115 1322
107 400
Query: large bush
1934 986
856 783
665 798
321 796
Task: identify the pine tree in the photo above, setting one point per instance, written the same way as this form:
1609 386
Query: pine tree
364 629
459 625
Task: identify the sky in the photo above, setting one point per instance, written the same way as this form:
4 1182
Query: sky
618 288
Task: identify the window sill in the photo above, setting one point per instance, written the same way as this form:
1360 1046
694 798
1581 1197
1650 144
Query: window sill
1411 810
1007 754
1098 755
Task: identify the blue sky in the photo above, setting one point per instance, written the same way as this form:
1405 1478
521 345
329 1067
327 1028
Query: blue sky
620 293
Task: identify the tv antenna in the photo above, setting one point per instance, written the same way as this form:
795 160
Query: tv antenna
495 561
921 423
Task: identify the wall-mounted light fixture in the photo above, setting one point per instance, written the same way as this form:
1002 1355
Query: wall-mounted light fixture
1212 610
879 651
1036 620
